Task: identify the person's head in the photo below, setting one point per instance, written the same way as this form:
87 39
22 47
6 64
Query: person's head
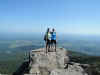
48 30
53 29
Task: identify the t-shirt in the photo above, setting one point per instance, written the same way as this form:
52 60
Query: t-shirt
49 36
53 36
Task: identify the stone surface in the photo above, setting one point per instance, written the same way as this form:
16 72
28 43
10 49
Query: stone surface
53 63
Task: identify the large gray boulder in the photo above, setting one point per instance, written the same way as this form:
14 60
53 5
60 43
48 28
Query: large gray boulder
53 63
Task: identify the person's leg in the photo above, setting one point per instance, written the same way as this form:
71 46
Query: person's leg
46 47
51 45
49 48
55 44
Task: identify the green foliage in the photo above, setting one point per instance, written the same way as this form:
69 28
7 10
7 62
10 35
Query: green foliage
11 63
85 59
12 52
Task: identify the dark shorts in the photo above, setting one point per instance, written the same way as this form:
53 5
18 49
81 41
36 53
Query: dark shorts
53 41
48 42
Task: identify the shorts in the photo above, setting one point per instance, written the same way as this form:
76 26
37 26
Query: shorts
53 41
48 42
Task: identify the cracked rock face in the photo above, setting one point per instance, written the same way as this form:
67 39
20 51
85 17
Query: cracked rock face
53 63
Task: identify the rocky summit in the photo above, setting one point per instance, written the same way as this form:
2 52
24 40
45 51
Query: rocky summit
53 63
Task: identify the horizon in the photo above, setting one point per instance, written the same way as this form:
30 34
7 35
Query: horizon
40 36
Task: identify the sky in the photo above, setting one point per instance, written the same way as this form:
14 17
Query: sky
35 16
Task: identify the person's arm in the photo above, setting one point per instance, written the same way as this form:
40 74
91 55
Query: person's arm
56 37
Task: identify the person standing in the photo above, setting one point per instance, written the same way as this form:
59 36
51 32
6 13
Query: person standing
53 39
47 39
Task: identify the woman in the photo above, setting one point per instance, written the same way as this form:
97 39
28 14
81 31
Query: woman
47 39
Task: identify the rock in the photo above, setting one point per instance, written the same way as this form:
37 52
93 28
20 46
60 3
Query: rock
53 63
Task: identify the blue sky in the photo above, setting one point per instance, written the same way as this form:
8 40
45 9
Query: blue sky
66 16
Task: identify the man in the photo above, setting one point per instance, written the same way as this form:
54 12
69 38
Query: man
53 39
47 39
